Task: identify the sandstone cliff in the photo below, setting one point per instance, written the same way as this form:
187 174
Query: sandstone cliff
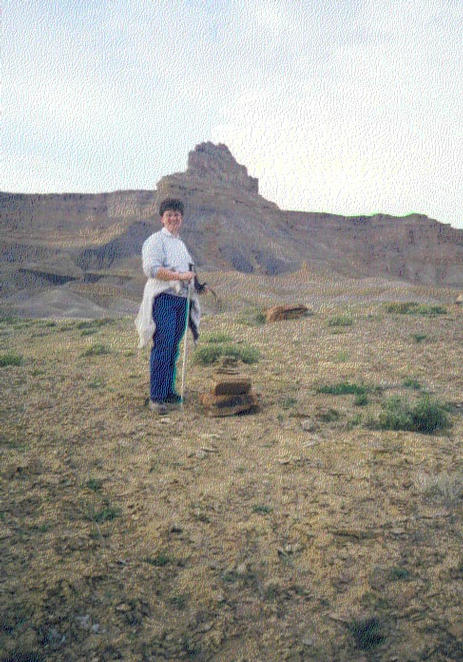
52 239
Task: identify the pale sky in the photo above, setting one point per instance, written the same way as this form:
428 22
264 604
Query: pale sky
348 107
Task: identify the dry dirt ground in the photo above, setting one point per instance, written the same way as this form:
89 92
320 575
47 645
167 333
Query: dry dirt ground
299 532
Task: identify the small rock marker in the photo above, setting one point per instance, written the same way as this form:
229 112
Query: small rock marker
230 393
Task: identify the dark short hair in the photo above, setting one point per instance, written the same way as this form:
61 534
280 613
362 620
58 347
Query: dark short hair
171 204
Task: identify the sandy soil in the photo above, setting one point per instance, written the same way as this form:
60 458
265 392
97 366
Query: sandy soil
299 532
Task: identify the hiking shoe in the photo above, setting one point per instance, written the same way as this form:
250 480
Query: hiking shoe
173 399
159 407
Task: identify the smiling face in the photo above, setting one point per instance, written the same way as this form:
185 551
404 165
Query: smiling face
172 220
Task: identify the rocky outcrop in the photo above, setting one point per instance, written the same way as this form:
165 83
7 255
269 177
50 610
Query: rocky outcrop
215 163
228 225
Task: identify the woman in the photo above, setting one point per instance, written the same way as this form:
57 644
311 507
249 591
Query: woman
168 267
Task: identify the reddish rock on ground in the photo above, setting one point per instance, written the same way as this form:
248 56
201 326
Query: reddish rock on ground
277 313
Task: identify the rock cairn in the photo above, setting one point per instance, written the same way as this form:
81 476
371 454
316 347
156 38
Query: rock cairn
277 313
230 393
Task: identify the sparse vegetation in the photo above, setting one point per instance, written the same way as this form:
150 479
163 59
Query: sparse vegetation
10 359
444 486
426 415
95 324
172 537
411 383
213 351
343 388
288 402
262 509
342 357
96 350
361 400
161 559
217 337
414 308
252 316
105 513
94 484
398 573
328 416
367 633
340 320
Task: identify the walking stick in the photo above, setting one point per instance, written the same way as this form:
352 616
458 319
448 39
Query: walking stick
185 339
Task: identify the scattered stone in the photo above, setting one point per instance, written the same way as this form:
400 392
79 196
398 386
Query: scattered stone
201 454
459 299
277 313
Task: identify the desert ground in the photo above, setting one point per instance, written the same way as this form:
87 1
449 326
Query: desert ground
315 528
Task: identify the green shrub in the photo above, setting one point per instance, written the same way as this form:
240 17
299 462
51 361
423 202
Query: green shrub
159 560
401 307
340 320
10 359
342 357
361 400
414 308
367 633
411 383
94 484
262 509
8 319
253 316
246 353
328 416
429 415
398 573
426 415
96 350
210 353
218 337
343 388
90 324
431 310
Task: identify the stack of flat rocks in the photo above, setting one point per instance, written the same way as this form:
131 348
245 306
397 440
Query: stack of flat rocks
231 392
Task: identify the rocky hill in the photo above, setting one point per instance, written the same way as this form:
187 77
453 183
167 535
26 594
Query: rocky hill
53 240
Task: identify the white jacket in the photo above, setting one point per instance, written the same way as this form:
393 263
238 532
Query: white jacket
144 322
